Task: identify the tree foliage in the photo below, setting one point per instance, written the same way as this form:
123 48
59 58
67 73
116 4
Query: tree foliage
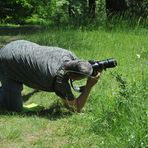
138 7
15 11
63 11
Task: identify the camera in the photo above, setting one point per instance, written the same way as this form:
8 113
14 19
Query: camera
97 66
102 65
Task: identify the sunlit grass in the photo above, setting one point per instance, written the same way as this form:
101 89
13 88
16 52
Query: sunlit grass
114 116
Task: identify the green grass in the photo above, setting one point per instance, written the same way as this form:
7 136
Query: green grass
115 114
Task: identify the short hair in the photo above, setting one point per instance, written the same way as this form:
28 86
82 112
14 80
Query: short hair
79 67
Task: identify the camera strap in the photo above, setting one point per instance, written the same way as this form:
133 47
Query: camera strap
60 76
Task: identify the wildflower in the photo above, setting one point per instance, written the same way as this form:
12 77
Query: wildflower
138 56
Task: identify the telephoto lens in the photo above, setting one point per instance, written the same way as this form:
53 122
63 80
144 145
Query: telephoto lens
109 63
102 65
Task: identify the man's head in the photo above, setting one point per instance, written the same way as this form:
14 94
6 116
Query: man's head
77 69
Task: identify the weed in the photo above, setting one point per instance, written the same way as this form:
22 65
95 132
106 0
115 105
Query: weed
127 117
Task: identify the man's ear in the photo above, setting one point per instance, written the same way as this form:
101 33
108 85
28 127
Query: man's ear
70 75
69 65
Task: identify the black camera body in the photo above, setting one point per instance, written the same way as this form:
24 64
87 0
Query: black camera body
102 65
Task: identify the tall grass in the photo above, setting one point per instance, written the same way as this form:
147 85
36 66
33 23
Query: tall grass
115 114
126 20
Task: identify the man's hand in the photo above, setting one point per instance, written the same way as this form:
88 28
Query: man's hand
92 81
79 103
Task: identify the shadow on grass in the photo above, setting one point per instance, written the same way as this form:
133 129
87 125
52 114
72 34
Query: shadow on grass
19 30
27 96
54 112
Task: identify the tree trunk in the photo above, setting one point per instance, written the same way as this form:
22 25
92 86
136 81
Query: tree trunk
69 9
92 8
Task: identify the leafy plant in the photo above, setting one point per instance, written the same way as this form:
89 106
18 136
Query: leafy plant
126 118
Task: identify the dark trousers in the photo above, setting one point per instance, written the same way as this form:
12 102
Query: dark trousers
10 95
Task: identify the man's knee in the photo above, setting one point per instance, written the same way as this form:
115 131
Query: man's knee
12 96
1 98
13 101
14 107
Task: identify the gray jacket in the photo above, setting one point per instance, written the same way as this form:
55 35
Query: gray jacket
35 66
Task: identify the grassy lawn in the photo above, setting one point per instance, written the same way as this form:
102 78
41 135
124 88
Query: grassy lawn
115 114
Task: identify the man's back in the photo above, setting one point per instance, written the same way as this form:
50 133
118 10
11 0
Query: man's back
32 64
